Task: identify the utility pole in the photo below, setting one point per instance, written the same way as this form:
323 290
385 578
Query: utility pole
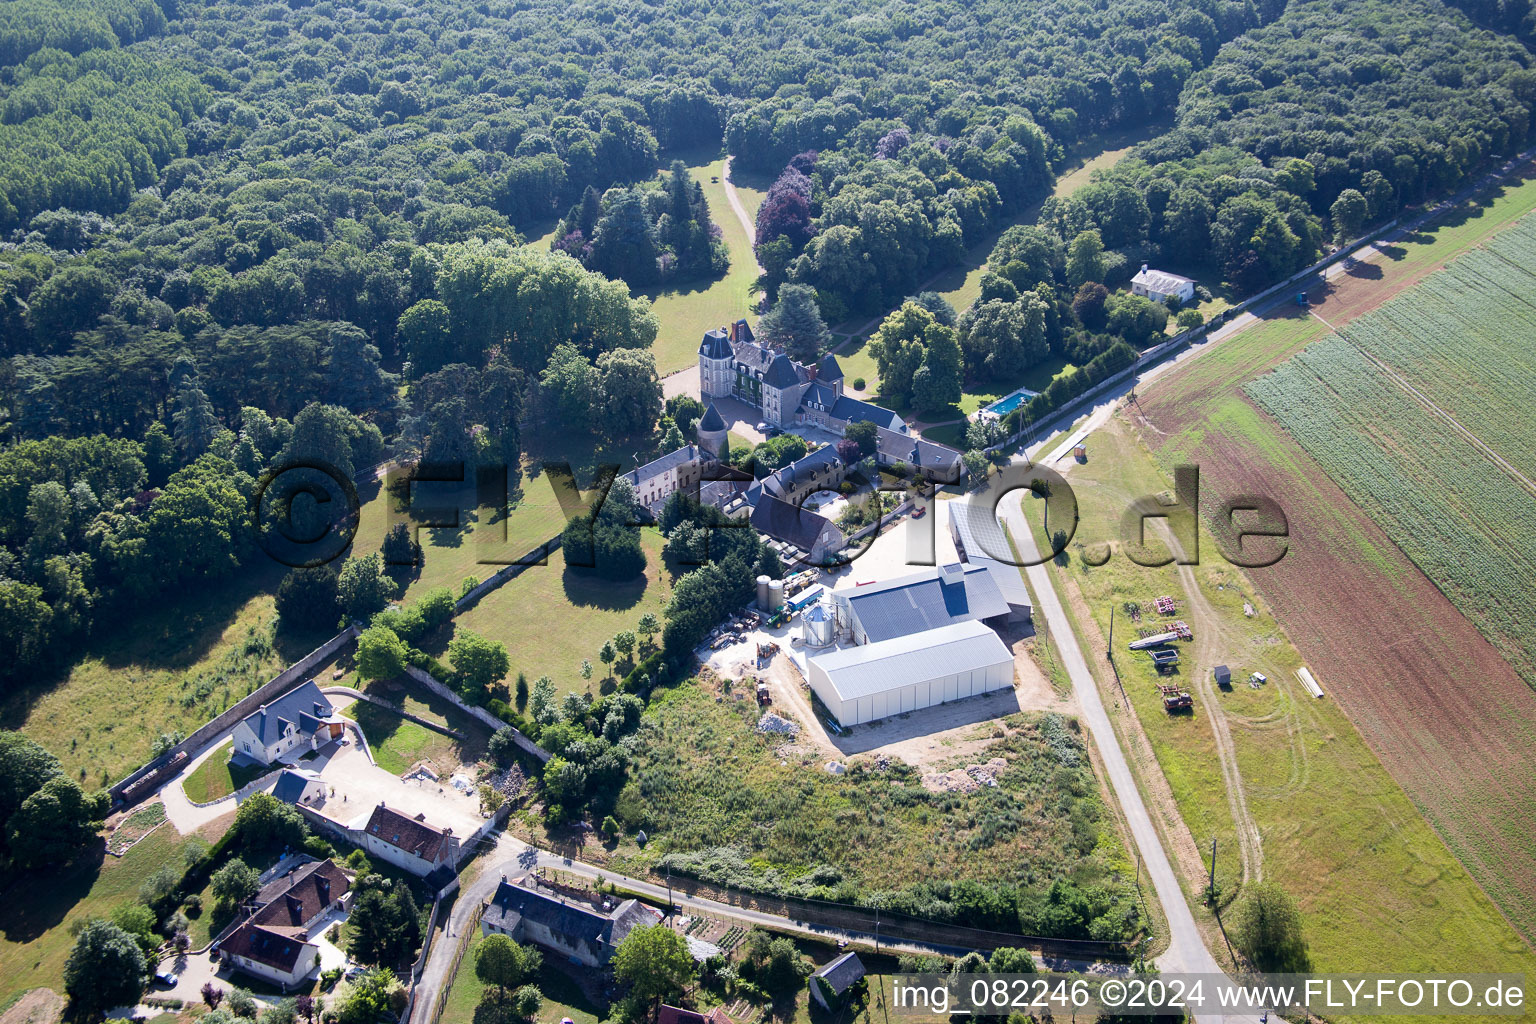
1110 652
1213 871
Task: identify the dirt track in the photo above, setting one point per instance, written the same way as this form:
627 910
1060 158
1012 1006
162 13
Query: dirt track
1446 715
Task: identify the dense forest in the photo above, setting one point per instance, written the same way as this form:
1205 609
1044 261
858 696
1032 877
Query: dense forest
233 232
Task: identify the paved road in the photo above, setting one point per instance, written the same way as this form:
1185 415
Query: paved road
1186 948
513 857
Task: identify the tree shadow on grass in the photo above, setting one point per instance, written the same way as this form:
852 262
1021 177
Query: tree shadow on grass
171 634
38 901
378 724
586 589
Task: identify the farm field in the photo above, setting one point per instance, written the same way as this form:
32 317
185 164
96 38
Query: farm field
1463 339
1283 782
1470 527
552 619
1445 714
762 813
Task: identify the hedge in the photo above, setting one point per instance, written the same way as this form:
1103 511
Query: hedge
1063 389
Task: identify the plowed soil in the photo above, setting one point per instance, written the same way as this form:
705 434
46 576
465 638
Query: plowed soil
1446 715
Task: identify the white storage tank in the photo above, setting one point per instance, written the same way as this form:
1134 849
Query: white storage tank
763 594
819 624
775 595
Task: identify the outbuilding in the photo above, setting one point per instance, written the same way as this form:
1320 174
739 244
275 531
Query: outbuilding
906 673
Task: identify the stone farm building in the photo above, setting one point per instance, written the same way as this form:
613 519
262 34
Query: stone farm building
409 843
570 929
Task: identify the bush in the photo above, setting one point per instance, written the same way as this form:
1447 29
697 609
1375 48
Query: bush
858 383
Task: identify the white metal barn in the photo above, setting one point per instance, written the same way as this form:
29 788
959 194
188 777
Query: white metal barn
888 677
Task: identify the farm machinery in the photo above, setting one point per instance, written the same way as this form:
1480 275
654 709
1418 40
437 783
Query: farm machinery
1175 699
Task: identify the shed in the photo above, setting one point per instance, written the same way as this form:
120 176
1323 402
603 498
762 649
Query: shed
830 984
890 677
1223 676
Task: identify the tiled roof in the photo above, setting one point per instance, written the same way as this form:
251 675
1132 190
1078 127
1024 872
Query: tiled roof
514 903
264 946
414 837
715 345
712 420
292 783
819 396
306 892
915 451
782 372
304 706
1160 281
854 411
672 460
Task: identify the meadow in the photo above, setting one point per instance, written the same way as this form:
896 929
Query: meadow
166 670
704 782
36 919
1282 782
563 995
552 618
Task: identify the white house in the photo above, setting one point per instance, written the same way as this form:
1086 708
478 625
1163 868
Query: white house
409 843
1160 286
299 721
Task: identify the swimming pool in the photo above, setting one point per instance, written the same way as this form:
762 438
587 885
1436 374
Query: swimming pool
1005 405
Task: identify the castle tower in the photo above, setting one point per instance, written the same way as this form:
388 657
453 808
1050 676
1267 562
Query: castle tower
715 364
712 432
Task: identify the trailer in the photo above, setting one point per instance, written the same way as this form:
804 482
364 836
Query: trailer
1155 640
1175 699
1165 659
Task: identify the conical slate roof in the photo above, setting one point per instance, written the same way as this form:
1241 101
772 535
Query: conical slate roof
712 420
828 368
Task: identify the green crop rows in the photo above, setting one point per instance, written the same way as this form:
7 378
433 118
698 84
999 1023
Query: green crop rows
1467 524
1463 339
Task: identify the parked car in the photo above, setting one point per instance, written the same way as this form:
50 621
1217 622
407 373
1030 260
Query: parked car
167 978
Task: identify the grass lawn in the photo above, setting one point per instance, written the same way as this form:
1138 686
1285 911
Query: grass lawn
39 908
691 308
551 618
563 996
216 777
398 743
1333 828
172 668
